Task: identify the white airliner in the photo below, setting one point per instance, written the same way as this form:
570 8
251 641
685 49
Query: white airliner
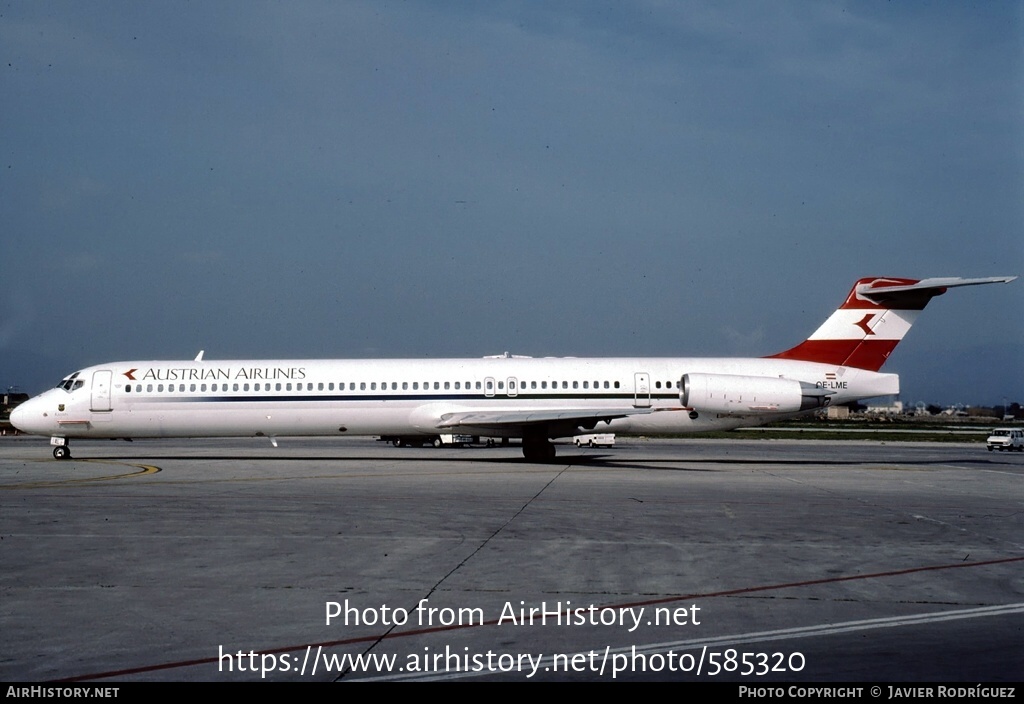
536 399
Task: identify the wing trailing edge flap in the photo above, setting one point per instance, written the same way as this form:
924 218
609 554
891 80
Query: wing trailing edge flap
506 420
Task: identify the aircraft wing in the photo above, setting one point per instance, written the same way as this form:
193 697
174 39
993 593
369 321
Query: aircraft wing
558 421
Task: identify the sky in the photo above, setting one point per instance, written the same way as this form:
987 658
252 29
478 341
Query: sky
456 179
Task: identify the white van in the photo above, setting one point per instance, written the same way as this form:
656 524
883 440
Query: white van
1006 439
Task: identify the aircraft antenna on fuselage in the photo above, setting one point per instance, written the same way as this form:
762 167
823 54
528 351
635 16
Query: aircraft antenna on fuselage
199 357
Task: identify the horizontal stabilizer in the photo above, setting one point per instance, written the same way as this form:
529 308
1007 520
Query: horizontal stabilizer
894 291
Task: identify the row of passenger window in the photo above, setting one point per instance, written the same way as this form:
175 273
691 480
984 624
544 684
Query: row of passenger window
514 385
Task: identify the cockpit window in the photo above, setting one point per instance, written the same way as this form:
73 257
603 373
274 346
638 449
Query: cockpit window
71 383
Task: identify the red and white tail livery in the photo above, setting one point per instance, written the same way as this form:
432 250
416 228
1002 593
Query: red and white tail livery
536 399
873 319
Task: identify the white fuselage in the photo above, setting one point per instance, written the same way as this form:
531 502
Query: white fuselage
233 398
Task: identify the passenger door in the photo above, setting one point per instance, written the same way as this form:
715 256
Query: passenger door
101 390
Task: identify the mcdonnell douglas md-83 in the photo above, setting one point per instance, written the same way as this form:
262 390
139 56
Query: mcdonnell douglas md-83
536 399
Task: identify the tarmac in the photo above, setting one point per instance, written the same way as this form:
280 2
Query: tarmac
757 562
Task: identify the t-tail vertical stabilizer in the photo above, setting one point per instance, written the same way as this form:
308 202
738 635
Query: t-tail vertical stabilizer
875 316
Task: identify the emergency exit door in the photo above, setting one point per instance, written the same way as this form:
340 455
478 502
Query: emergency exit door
642 391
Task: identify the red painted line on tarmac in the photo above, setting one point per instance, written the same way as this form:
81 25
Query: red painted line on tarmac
494 622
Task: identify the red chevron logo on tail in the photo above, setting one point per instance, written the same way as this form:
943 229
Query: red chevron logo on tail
863 324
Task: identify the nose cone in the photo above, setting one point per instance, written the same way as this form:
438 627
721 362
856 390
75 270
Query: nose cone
28 418
18 416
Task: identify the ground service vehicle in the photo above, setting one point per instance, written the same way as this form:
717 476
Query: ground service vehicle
1006 439
595 440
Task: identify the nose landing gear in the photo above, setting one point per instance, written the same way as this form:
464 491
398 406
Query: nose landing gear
62 451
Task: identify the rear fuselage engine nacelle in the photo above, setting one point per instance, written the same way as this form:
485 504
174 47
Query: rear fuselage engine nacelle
736 394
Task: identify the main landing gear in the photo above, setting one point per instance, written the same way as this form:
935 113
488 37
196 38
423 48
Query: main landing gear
538 449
